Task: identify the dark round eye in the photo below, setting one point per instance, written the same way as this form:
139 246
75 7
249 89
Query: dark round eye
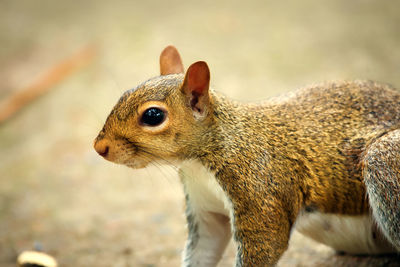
152 117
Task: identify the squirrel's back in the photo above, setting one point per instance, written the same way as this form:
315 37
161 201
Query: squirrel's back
326 128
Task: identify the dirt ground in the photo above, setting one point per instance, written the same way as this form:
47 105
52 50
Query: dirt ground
58 195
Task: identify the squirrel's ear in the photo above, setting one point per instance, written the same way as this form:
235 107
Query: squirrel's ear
195 87
170 61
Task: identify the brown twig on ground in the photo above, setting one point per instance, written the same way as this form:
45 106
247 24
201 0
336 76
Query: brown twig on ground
57 73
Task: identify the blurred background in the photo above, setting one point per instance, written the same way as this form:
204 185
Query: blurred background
58 195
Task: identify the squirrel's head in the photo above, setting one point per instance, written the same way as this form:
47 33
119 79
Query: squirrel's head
161 119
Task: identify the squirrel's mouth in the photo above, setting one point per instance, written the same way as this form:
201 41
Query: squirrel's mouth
120 151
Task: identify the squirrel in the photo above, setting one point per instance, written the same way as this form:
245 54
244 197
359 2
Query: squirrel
324 160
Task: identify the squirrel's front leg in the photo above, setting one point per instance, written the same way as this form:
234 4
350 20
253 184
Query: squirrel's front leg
208 231
208 235
261 235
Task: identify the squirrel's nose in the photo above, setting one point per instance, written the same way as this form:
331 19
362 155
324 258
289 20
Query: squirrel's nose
102 147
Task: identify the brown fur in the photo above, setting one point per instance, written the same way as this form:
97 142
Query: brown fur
303 151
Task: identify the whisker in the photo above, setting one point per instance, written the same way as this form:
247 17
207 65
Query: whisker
162 159
144 150
169 176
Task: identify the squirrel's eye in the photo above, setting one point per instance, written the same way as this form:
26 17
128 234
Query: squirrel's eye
152 117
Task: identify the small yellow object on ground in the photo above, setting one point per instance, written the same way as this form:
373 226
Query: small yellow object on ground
36 258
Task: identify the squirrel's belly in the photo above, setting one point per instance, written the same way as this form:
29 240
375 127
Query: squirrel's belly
351 234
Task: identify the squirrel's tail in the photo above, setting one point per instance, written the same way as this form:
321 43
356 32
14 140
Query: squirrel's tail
382 179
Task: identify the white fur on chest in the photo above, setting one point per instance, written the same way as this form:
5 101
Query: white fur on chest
204 191
351 234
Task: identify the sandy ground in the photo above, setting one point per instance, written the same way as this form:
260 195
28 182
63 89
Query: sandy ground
58 195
